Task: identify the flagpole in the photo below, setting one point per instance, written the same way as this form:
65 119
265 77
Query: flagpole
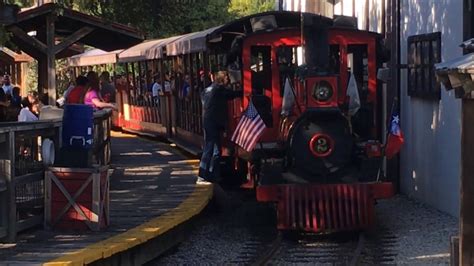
384 157
293 92
302 32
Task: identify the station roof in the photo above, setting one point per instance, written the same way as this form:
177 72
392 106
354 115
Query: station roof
10 57
462 64
94 57
105 35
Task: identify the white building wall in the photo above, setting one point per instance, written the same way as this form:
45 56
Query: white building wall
342 7
430 159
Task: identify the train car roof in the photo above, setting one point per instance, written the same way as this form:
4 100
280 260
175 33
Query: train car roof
191 43
197 41
94 57
147 50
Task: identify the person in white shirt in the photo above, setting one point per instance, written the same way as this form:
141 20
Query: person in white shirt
156 89
29 112
61 101
7 86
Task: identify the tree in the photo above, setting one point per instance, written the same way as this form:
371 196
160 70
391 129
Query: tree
156 18
242 8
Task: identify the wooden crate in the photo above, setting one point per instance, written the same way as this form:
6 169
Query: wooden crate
77 198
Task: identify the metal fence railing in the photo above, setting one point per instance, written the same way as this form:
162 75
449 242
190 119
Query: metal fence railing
22 169
22 173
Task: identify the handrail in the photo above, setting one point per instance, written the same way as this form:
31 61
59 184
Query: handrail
23 126
22 170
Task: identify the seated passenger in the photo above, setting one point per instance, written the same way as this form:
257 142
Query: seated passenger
107 89
92 96
157 89
186 89
32 97
76 94
16 98
29 112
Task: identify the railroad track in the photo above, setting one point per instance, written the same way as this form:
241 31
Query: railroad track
352 249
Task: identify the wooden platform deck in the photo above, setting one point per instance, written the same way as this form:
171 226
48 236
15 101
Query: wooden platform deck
149 180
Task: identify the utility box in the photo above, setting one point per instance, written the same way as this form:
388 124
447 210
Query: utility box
77 198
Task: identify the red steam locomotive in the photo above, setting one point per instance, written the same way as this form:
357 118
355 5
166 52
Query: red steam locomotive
316 160
319 155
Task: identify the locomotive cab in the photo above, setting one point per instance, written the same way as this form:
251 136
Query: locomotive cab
306 111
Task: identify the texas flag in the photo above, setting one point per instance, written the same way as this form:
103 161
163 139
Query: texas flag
395 137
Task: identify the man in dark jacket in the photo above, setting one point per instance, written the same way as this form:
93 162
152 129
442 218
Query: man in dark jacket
214 103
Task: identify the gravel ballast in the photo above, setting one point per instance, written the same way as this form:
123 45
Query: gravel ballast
422 235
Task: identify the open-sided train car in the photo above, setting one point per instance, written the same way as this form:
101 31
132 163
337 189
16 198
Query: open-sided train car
317 161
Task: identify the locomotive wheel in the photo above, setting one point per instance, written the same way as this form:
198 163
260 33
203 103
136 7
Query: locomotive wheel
321 148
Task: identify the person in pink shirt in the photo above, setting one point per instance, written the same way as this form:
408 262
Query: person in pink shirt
92 96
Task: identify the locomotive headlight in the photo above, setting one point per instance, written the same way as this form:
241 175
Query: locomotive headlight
322 91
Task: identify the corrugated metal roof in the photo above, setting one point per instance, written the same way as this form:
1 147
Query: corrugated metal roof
463 63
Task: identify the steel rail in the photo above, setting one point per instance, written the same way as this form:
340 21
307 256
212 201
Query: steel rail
358 251
269 253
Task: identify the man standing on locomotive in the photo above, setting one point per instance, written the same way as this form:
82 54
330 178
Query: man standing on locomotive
214 105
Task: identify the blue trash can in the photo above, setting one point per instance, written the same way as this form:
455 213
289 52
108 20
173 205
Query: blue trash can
78 122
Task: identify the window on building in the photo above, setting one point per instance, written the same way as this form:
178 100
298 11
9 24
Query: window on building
423 52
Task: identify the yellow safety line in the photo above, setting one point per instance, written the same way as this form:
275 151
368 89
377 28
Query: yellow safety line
192 206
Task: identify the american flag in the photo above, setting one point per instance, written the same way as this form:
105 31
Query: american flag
249 129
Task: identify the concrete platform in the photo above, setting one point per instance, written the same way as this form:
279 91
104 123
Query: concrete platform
153 197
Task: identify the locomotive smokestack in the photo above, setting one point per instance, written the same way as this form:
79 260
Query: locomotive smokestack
317 43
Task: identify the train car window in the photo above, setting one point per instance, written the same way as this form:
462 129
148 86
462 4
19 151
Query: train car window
221 61
288 60
357 63
260 66
261 75
334 59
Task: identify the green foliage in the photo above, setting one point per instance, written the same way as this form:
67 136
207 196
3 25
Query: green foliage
63 76
156 18
242 8
167 17
20 3
32 76
183 17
